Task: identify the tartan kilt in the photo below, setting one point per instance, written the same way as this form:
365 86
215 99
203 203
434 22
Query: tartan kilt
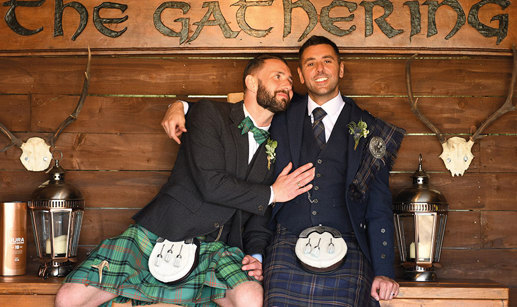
128 275
287 283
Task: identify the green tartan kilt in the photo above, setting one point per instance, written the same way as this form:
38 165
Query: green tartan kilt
128 275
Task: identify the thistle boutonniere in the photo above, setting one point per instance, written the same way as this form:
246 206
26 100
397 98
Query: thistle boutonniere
358 131
270 151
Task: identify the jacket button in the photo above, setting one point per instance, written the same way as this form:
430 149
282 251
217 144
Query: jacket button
383 256
216 225
318 175
315 201
316 188
314 212
260 208
383 230
319 161
384 243
361 225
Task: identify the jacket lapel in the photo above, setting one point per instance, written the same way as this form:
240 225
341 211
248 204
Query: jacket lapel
241 141
295 117
258 170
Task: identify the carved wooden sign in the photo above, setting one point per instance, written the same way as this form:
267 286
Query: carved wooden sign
158 26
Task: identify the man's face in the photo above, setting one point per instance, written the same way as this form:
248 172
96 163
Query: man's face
320 70
275 84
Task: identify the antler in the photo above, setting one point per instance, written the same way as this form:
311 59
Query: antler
413 103
72 117
14 140
507 105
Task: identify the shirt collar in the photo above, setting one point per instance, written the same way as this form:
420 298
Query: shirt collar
246 113
332 107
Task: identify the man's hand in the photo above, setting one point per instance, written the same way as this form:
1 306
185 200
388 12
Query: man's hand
174 121
253 266
288 186
384 288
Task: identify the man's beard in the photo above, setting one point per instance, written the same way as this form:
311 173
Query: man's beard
269 102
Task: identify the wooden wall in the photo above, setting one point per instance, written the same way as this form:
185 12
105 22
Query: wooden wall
117 154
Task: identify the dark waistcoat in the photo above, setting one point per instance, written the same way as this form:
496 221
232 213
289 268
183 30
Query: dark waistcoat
325 203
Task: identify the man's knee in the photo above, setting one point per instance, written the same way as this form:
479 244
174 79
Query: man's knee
248 294
71 294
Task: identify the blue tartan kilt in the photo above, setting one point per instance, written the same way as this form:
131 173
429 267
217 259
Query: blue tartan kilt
287 283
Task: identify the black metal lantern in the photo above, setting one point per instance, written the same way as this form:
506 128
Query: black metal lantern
420 214
56 211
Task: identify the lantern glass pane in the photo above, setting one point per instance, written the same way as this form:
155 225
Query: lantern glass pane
425 225
61 219
76 231
41 229
407 235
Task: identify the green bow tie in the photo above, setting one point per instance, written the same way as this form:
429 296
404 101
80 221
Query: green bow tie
247 125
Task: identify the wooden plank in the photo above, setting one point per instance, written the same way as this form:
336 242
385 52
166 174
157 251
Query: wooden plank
494 264
454 289
247 29
473 191
102 224
498 229
19 185
379 76
462 230
15 113
29 285
100 114
94 151
449 114
99 188
27 300
117 114
130 189
498 154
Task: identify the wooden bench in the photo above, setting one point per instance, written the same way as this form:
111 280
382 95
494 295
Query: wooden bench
30 290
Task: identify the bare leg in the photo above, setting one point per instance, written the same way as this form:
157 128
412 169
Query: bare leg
72 295
247 294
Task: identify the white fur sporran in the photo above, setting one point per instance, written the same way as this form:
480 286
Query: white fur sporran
320 249
171 262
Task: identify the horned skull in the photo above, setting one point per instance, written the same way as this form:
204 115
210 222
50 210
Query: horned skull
457 155
457 152
36 153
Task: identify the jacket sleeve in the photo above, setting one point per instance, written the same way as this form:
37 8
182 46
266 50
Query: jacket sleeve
379 218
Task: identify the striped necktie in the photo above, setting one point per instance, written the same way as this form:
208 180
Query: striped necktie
317 126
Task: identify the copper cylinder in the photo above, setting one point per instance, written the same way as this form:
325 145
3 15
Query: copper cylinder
13 238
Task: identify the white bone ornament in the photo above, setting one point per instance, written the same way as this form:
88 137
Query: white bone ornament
36 154
457 152
457 155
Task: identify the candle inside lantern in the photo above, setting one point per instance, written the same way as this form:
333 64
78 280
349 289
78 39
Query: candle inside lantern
60 245
423 251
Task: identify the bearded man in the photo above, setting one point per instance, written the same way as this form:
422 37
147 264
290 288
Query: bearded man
218 193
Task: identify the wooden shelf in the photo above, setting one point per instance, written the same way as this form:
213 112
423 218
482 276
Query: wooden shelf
31 290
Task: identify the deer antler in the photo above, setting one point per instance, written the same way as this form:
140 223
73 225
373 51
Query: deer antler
507 105
14 140
72 117
413 103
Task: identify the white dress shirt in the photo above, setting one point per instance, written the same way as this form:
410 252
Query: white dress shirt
333 107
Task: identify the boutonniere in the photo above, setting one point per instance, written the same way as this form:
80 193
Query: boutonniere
270 151
358 131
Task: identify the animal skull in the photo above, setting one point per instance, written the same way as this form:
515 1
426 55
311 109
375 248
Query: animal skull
457 155
36 154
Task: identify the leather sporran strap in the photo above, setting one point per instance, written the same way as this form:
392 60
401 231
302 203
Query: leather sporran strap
171 262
